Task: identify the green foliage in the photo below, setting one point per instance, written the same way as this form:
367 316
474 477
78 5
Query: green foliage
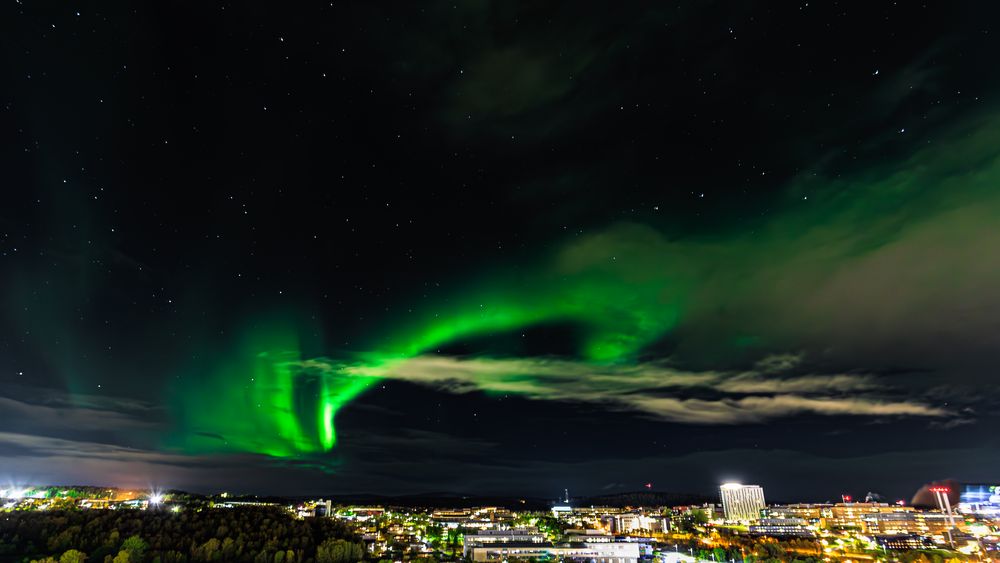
552 527
691 521
73 556
699 516
252 534
339 551
136 547
208 551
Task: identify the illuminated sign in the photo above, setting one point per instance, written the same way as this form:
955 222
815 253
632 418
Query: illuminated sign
980 499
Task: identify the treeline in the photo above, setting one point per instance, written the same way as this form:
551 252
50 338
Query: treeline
259 535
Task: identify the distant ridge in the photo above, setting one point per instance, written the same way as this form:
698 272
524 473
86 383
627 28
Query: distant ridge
456 500
443 500
643 498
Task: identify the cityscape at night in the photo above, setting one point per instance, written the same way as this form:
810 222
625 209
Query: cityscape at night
961 524
506 281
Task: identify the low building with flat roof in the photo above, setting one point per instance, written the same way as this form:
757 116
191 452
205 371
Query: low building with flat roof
620 552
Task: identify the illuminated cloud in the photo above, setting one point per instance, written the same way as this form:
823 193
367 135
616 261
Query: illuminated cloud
759 409
654 389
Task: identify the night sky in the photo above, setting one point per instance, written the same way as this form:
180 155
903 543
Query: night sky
500 247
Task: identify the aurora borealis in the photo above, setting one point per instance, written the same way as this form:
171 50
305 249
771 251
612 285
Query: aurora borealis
500 247
626 287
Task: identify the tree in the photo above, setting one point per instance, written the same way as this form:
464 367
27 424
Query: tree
73 556
174 537
113 538
228 548
123 557
700 517
209 551
338 551
136 547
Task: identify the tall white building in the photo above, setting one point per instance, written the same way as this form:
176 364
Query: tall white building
742 502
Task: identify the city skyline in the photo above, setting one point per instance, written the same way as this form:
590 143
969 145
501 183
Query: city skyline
977 493
741 526
499 248
734 501
335 531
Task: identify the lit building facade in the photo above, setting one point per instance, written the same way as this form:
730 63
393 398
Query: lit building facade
781 528
811 513
629 523
903 542
860 515
980 499
615 552
522 537
742 502
927 524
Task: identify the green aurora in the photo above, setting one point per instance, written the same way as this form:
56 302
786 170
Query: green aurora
627 287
